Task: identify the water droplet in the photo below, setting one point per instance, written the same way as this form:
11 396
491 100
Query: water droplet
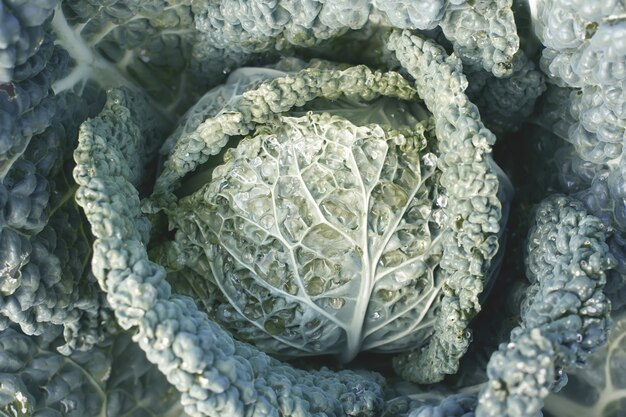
429 160
143 56
336 303
248 257
68 405
440 218
375 315
316 335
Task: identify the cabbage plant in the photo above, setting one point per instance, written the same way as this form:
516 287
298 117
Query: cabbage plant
325 231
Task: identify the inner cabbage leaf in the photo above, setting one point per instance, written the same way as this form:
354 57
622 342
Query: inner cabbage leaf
322 236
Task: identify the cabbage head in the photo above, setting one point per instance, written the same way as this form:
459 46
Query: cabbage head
336 226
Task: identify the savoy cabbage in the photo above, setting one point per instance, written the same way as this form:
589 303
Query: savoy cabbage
337 248
312 208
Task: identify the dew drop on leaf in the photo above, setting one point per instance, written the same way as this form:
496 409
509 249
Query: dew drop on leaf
429 160
375 315
440 218
336 303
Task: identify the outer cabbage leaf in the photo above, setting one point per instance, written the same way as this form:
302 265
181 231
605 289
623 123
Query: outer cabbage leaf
22 31
138 44
483 33
599 389
112 380
585 51
565 316
45 249
584 42
597 185
475 186
505 103
27 107
50 49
